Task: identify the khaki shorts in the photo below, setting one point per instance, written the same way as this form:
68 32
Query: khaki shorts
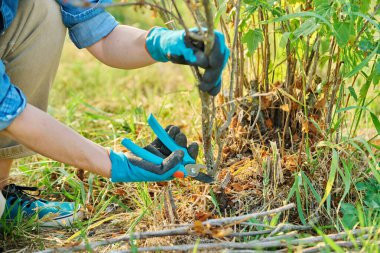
30 49
2 204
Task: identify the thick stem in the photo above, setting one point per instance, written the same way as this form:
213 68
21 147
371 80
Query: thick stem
206 100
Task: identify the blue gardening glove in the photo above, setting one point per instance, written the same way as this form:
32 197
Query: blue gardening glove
127 167
167 45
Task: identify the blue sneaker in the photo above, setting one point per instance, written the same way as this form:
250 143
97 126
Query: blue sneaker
47 213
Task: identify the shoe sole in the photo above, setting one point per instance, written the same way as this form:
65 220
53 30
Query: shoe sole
59 222
65 221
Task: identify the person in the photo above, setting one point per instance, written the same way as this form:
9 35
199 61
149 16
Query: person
33 33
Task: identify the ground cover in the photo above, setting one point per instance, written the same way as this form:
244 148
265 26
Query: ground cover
329 175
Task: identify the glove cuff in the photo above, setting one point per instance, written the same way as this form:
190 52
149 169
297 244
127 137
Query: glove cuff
117 175
152 44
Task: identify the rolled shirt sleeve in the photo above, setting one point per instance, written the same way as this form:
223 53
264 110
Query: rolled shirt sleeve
87 25
12 100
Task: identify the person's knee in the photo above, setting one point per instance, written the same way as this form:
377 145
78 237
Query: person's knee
52 21
46 19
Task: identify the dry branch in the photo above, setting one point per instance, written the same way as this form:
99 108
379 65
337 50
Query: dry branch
256 244
185 230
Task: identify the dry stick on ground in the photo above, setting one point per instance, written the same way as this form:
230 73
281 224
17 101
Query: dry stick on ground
247 251
256 244
343 244
185 230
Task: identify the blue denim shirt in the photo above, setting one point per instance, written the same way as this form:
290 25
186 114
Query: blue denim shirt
86 27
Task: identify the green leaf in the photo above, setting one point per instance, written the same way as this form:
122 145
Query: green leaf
376 73
350 217
364 6
349 220
372 200
375 23
353 93
330 182
363 63
348 208
284 39
304 14
344 30
307 27
375 122
222 9
362 186
323 8
346 176
308 182
366 45
299 206
253 38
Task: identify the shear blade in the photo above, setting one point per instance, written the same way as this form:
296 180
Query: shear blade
204 178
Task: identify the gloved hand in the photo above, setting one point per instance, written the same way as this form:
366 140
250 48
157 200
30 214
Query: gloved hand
167 45
127 167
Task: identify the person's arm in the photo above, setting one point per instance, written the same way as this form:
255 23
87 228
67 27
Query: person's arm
123 48
45 135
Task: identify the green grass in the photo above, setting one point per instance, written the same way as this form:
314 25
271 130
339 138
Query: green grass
106 105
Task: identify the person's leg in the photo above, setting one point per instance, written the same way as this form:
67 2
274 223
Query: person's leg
5 167
30 49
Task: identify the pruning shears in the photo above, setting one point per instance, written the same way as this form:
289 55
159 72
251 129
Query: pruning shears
187 168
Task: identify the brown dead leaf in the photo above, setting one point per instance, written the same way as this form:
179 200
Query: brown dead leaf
285 107
237 187
226 149
294 106
320 104
234 122
201 229
119 192
198 227
298 83
305 126
266 102
291 162
269 123
219 233
240 130
220 100
313 129
202 216
277 84
90 208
